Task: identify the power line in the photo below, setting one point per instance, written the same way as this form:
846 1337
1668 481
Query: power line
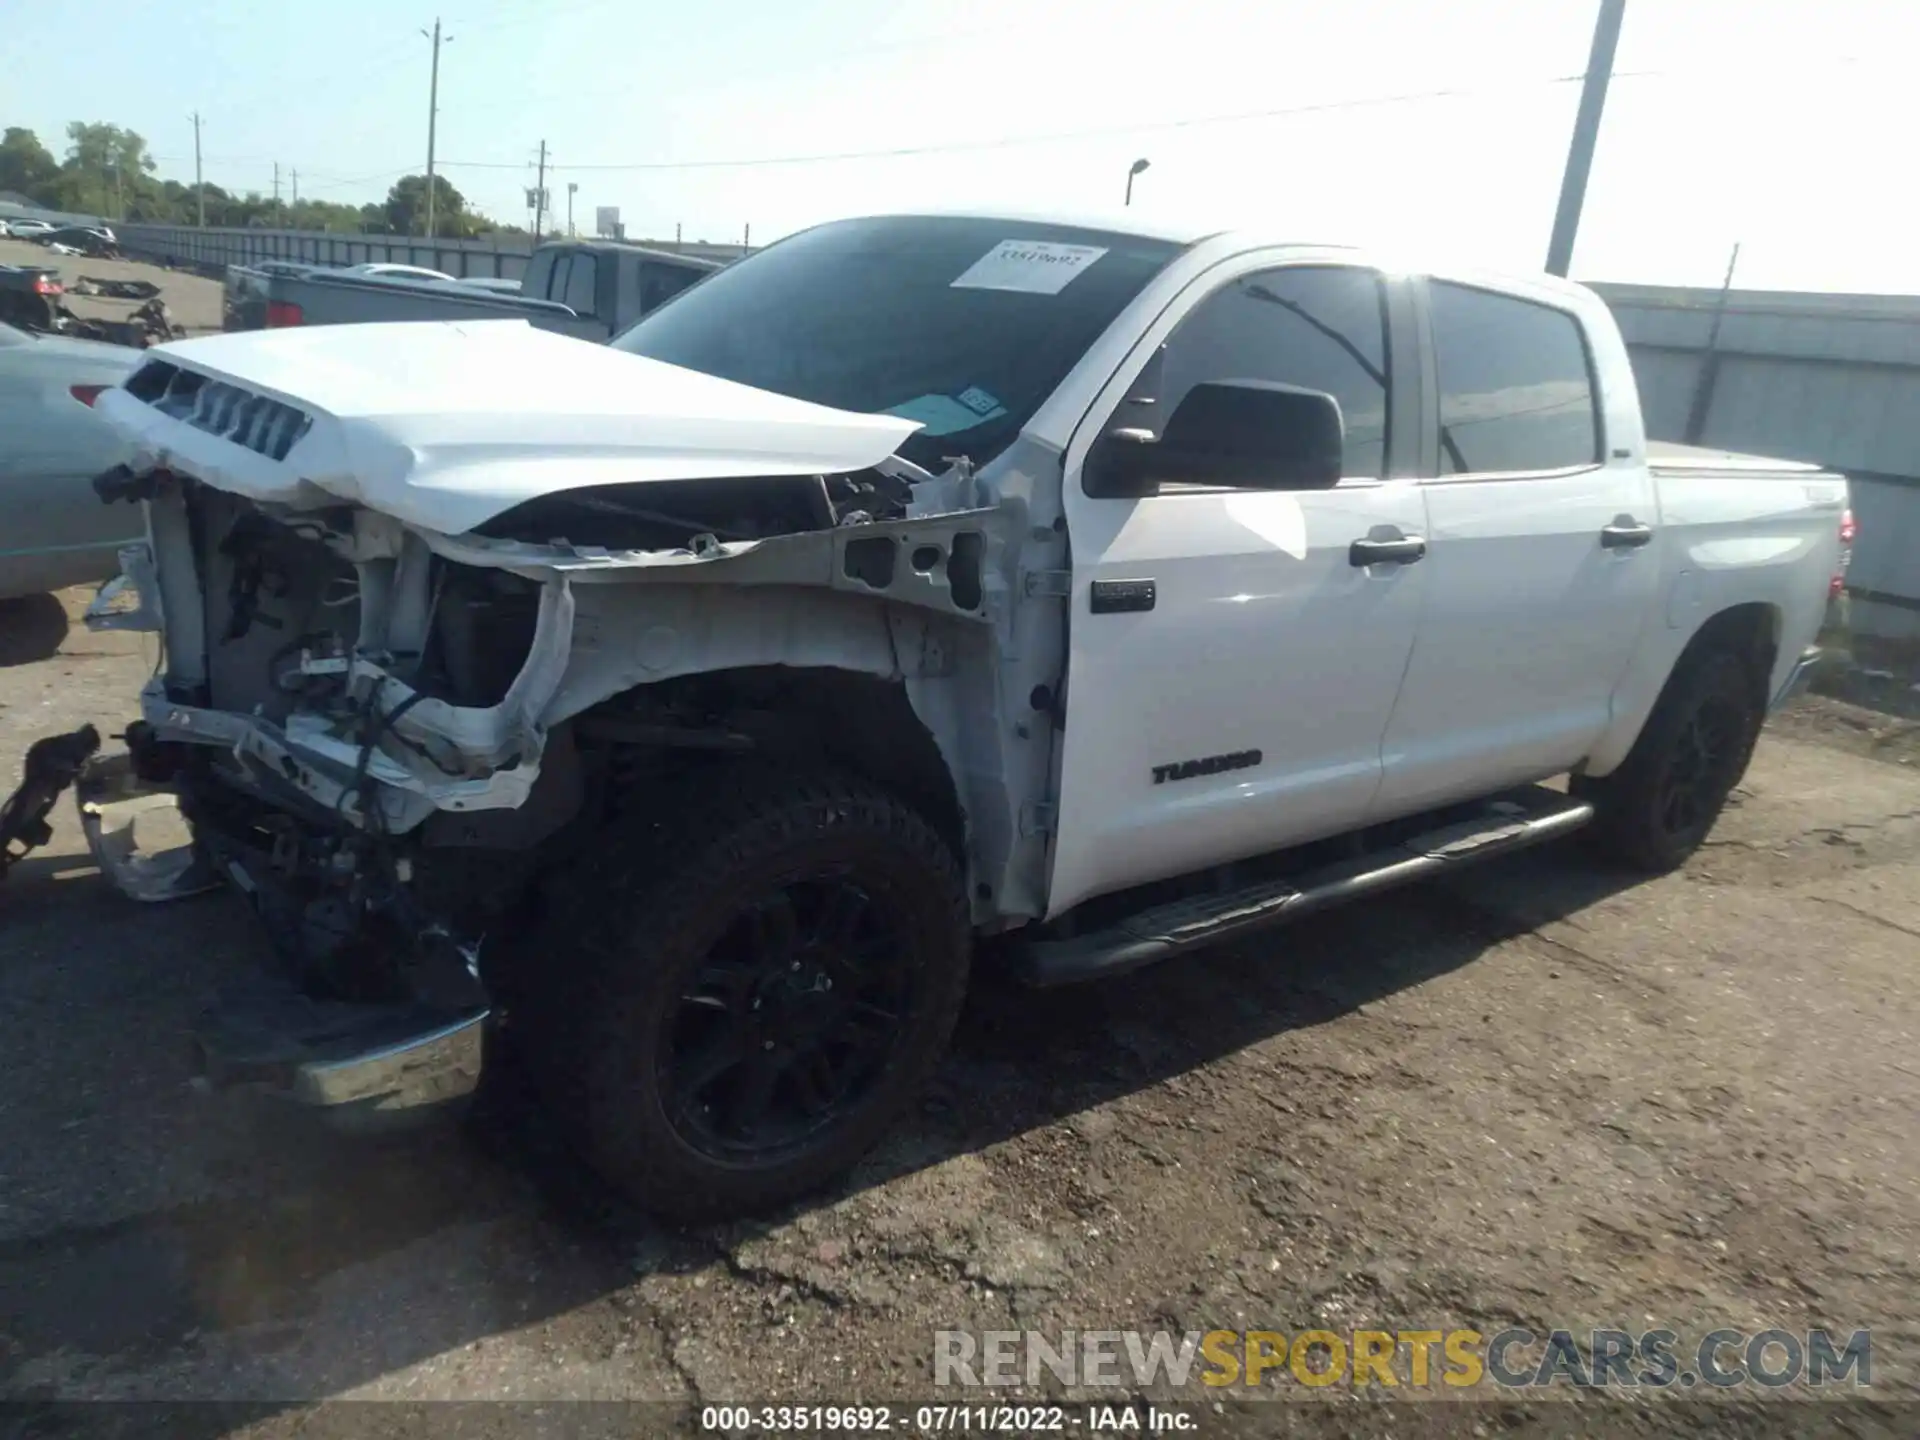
1048 138
1009 142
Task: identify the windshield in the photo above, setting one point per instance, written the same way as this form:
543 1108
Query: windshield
964 325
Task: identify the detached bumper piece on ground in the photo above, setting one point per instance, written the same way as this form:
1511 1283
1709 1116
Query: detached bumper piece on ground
52 765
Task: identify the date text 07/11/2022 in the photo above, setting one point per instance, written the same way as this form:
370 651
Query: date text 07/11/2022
961 1419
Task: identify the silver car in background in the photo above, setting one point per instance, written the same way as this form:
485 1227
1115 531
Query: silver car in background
54 531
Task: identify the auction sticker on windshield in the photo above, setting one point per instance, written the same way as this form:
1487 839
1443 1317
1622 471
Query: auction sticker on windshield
1038 267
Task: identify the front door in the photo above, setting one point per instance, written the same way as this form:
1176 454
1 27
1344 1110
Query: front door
1543 562
1234 659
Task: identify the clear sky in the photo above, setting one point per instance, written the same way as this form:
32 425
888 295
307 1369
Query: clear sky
1786 125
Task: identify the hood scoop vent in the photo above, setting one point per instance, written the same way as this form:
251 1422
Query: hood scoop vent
256 422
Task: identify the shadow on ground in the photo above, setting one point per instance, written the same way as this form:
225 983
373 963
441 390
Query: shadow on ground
304 1205
31 628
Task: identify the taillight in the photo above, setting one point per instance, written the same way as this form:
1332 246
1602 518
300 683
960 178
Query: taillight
44 286
282 313
86 394
1848 529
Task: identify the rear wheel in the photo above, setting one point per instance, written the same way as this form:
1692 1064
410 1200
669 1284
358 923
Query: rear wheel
757 980
1656 809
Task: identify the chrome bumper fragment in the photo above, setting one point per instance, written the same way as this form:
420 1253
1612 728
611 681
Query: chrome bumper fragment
365 1067
421 1073
113 803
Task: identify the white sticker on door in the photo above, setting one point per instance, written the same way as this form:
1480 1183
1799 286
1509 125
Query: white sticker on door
1038 267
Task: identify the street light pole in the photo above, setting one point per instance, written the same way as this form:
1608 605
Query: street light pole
572 185
199 188
1586 131
1136 168
433 114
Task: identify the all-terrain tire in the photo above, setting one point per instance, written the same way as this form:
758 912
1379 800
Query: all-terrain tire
634 930
1698 739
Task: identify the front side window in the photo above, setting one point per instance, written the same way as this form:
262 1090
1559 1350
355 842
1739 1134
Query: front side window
964 325
1318 327
1516 394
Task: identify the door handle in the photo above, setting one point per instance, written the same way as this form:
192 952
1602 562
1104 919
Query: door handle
1625 534
1403 551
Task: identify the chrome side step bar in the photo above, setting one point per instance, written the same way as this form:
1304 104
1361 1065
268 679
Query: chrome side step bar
1190 924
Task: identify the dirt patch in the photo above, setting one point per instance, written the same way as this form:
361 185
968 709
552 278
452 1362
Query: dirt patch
193 300
1877 732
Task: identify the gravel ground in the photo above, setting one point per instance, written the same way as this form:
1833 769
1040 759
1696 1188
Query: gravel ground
1536 1095
193 301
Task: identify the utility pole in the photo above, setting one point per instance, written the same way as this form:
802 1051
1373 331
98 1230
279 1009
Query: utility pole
433 113
746 237
1586 130
296 187
199 188
540 194
276 192
1708 378
572 185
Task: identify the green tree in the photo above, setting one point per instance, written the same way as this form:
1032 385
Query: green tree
27 166
106 164
405 212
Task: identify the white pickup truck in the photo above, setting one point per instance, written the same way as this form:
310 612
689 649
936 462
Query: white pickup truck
688 711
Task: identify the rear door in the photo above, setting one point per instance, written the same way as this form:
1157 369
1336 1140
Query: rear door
1233 661
1542 565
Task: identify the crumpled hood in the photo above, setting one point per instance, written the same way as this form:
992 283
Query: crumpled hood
446 425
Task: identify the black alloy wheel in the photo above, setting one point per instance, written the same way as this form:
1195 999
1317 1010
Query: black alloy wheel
791 1019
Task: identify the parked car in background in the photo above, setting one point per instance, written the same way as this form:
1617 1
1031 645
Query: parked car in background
94 241
55 531
26 229
396 272
591 290
497 284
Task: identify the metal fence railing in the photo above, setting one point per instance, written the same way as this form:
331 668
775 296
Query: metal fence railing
486 256
503 257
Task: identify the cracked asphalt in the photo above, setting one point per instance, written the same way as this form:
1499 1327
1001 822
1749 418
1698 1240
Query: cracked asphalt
1540 1094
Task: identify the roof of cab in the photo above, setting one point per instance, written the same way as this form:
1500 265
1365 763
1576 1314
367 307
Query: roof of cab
1148 225
1114 222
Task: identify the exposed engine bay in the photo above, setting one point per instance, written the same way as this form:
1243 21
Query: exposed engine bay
447 612
382 735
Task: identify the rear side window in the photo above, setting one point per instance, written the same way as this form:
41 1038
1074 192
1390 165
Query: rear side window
580 283
1516 393
539 275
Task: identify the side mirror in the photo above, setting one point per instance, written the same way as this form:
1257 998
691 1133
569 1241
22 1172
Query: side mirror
1249 434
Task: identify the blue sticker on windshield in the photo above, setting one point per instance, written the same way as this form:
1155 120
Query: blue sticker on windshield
980 402
944 415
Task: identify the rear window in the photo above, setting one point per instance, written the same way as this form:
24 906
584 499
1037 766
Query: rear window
1516 391
962 324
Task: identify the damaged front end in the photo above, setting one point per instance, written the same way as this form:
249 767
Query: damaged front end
384 733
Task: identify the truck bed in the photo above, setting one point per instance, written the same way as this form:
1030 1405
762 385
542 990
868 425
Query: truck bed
1671 457
329 297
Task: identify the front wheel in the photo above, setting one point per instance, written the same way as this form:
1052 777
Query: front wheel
1655 810
749 986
